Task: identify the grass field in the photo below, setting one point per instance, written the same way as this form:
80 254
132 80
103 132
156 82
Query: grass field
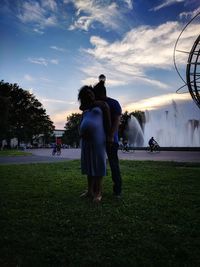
13 153
43 222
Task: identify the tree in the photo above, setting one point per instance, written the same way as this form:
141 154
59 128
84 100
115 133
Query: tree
123 125
26 117
71 135
4 112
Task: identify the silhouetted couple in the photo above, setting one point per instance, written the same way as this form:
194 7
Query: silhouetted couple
99 135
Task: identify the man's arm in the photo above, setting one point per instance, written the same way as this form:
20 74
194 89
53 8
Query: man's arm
114 128
106 116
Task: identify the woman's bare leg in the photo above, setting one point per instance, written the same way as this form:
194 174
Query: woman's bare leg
98 188
89 192
90 185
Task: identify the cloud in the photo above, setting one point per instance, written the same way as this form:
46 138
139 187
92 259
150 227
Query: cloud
110 82
46 80
166 4
49 13
60 118
49 4
67 1
58 109
38 31
50 21
142 49
33 12
28 78
31 90
156 102
40 61
60 49
54 61
49 100
129 4
43 61
190 14
90 11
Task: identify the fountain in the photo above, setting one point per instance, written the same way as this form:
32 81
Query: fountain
135 133
170 128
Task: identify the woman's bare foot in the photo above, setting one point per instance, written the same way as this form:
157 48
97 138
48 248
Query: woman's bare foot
97 199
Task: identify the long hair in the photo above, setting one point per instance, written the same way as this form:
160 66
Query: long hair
83 97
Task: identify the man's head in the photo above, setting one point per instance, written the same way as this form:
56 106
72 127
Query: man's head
102 78
100 91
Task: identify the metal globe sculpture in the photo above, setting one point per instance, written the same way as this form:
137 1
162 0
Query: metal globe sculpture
193 72
192 68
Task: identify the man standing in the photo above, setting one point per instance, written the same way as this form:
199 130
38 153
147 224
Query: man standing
112 142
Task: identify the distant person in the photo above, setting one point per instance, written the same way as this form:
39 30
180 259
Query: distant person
58 149
54 149
125 145
152 143
112 144
94 127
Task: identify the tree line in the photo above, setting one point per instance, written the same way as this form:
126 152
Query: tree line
22 116
71 134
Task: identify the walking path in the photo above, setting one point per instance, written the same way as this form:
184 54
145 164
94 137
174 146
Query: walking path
44 155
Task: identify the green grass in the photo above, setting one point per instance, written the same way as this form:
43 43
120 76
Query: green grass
8 152
43 222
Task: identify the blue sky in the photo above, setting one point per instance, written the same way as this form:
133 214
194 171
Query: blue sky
53 47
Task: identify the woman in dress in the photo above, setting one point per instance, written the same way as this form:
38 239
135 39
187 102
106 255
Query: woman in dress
94 128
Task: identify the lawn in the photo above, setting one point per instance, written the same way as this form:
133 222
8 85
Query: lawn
13 152
43 221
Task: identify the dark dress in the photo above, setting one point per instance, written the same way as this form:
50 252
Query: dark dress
93 143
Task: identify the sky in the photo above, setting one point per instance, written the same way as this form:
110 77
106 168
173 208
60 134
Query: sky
53 47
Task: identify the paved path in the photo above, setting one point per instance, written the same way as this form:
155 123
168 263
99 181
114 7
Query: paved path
44 155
